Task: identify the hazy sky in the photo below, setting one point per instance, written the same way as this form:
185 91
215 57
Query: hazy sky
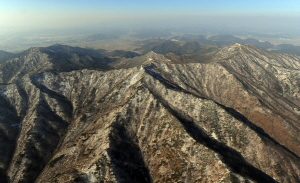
19 15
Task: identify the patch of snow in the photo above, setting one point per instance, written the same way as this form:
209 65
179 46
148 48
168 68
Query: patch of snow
214 135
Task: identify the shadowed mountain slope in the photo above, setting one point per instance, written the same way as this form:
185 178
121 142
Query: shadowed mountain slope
4 54
163 47
122 54
289 49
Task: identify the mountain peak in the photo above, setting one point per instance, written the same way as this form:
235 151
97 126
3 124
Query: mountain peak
148 58
56 57
227 52
236 45
154 57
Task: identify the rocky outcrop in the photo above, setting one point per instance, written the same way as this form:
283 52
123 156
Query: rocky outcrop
157 122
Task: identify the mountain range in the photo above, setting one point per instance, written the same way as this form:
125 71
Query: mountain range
70 114
222 40
230 39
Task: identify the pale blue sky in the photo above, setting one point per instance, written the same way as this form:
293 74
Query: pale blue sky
45 14
290 7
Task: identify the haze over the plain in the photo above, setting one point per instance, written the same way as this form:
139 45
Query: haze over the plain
263 16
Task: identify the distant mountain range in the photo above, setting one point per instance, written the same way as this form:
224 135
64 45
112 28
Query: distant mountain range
289 49
223 40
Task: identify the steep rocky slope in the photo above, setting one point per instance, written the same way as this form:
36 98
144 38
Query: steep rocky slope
233 120
263 86
52 58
